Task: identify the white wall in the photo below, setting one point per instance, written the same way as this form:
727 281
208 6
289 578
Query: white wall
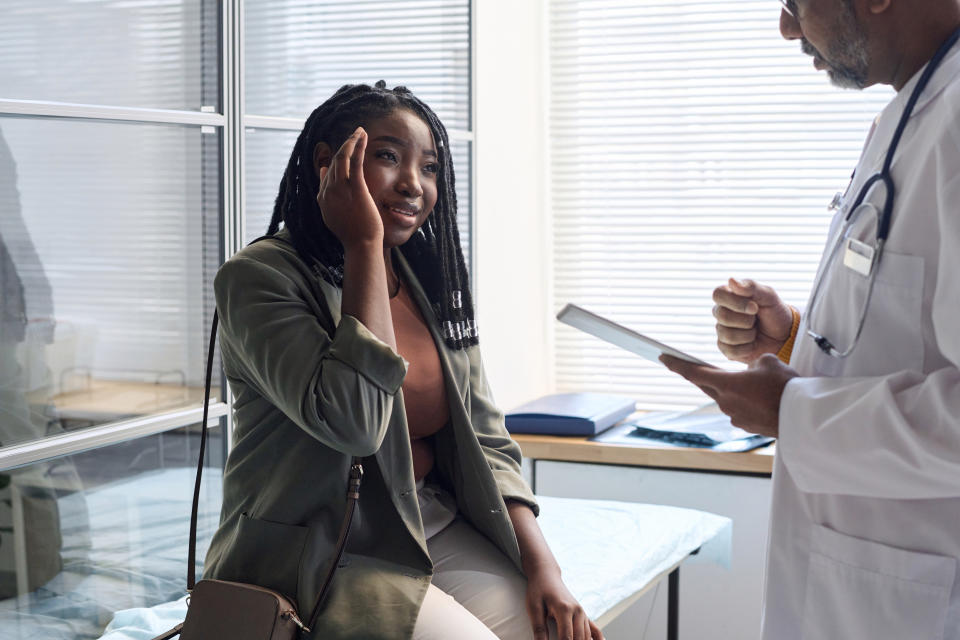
513 234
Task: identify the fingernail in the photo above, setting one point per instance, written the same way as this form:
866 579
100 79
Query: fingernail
752 307
357 131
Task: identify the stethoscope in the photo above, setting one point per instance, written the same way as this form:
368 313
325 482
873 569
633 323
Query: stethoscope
860 256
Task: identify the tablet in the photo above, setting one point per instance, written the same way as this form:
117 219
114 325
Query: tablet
620 335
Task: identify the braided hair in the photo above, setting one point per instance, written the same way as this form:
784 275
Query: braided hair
434 251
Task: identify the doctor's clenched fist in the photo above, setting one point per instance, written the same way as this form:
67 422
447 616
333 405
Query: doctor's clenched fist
751 320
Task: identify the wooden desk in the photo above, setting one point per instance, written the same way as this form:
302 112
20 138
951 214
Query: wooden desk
107 400
579 449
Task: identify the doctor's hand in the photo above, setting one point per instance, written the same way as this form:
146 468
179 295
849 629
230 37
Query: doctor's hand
751 320
751 398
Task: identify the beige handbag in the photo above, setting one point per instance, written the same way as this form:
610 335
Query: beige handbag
221 610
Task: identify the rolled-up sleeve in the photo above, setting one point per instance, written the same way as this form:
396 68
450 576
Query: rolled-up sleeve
355 346
338 384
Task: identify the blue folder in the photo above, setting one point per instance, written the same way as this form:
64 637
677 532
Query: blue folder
570 414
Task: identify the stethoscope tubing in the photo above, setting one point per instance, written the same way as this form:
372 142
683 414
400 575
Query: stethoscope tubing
883 226
886 215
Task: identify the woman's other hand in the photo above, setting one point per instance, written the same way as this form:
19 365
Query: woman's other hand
548 597
346 204
751 320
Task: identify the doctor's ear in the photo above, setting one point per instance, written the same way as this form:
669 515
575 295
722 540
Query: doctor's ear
322 154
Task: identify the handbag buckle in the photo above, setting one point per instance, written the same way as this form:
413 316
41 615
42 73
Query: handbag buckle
356 476
293 616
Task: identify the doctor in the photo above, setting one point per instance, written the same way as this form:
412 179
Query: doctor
865 523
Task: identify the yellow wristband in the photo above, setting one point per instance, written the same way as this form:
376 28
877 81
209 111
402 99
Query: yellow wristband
787 348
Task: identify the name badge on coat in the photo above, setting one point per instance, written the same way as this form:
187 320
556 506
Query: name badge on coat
858 256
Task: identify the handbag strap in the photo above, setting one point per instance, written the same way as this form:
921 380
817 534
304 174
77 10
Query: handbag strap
354 479
171 633
353 494
192 549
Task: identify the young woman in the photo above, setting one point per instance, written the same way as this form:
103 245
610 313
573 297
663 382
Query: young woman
351 332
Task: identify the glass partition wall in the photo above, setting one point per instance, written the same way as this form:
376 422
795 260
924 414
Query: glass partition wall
140 145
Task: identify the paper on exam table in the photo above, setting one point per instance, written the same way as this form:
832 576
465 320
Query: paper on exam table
609 550
144 623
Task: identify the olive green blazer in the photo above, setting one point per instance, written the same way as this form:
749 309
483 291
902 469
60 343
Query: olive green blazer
311 389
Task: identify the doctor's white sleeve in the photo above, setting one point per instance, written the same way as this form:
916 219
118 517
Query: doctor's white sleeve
895 436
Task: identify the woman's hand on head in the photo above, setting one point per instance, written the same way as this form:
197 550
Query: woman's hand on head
548 598
346 204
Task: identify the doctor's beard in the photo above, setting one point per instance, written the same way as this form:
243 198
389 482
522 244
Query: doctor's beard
847 59
847 65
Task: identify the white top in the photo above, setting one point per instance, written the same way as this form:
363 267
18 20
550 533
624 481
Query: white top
437 508
865 523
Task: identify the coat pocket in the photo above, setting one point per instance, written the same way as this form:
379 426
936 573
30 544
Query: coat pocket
863 590
894 317
266 554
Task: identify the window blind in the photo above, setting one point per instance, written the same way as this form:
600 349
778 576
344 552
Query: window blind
299 53
689 143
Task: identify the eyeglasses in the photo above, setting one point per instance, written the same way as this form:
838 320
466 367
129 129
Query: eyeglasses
790 6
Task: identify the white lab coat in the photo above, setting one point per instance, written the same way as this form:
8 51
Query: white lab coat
865 522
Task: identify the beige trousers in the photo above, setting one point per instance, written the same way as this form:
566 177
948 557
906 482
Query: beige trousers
476 592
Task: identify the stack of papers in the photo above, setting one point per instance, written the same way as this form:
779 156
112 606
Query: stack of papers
705 427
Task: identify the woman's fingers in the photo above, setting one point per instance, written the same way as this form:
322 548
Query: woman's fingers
538 619
341 161
324 172
564 617
580 625
595 633
340 164
356 157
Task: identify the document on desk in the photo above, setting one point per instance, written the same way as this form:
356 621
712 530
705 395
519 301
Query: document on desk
705 427
620 335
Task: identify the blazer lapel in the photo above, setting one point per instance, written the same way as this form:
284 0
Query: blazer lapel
455 364
477 497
